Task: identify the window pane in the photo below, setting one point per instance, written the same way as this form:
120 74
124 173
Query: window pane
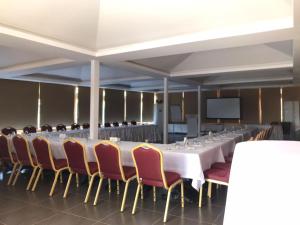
18 104
114 105
57 104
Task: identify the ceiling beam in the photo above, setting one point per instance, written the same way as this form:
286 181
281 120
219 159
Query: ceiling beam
196 42
228 69
35 67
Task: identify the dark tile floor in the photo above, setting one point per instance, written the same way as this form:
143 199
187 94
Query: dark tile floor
21 207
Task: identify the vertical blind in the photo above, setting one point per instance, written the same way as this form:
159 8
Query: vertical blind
148 107
270 99
249 106
114 105
133 110
57 104
18 104
84 105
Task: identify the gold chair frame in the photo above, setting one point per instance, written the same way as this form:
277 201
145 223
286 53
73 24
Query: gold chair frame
127 182
168 188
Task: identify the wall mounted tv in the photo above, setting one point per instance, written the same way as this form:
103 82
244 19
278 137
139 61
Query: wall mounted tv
223 108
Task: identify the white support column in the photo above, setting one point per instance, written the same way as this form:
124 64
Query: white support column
94 99
166 112
199 111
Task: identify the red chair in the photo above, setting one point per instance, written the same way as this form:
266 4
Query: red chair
148 162
108 157
46 161
7 156
214 176
47 128
25 158
77 163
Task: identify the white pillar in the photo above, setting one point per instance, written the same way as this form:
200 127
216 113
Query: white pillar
166 112
199 111
94 99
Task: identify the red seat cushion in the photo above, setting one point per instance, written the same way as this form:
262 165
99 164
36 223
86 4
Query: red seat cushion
128 172
93 166
220 165
60 163
217 174
171 178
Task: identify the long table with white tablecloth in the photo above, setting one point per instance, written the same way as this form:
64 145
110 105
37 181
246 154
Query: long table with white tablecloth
125 133
188 159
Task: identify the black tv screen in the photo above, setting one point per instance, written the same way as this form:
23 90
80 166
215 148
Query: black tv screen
223 108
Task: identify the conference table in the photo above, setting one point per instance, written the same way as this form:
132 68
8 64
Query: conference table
188 159
135 133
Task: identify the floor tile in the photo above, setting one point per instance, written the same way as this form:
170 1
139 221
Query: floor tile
101 210
174 220
26 216
208 213
65 219
141 217
7 205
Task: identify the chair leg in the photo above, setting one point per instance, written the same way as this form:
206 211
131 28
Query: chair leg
109 185
37 179
125 195
61 177
77 180
136 198
68 185
12 173
98 191
31 178
17 175
182 194
154 194
54 183
209 189
87 196
200 197
142 191
167 205
118 187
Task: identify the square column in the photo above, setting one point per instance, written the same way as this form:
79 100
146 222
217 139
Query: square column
94 99
166 112
199 111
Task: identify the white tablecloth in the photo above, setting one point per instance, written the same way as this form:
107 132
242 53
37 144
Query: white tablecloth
189 160
125 133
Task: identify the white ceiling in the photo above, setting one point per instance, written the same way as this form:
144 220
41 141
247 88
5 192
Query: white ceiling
138 42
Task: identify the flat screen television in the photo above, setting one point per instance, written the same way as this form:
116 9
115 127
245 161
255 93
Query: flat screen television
223 108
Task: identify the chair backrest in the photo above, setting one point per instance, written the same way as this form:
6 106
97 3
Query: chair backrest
22 150
124 123
46 127
61 127
86 126
32 129
29 129
4 149
75 126
148 162
43 152
8 130
76 156
116 124
133 122
109 159
107 124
